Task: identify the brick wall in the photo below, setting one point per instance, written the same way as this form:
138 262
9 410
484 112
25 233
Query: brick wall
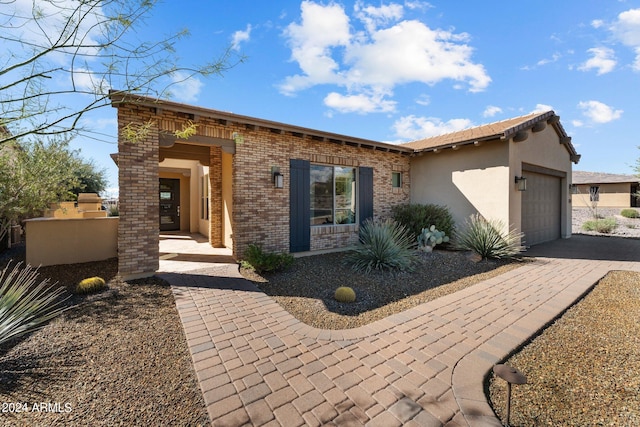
260 211
139 213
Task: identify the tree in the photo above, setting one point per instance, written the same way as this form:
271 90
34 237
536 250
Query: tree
90 178
33 175
55 50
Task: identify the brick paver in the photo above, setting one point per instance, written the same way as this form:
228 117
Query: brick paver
257 365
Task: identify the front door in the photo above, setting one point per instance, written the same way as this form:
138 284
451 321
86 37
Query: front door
169 204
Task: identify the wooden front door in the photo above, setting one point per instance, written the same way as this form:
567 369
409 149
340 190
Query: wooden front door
169 204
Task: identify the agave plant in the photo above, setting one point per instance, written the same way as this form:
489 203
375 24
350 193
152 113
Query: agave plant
383 245
25 303
487 238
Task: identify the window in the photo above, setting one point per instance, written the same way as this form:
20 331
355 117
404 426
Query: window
574 189
333 195
594 194
204 197
396 179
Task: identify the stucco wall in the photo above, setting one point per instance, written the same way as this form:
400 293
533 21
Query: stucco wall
468 180
53 241
611 195
541 149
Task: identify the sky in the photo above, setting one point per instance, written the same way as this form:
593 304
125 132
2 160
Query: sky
397 71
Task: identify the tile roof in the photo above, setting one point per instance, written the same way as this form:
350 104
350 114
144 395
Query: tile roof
503 130
583 177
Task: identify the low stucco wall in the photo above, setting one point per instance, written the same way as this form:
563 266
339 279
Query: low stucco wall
53 241
611 195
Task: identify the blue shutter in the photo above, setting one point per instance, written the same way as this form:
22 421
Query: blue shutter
365 193
300 206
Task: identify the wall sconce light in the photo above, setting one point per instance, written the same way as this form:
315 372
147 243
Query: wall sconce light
521 181
277 177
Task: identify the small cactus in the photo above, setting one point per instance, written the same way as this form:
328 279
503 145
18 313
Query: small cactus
90 285
430 237
345 294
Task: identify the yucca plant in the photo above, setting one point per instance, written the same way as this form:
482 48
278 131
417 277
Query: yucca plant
26 304
384 244
488 239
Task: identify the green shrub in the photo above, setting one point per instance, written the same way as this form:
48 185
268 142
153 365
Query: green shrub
383 245
415 217
345 294
91 285
25 303
265 262
604 226
487 238
630 213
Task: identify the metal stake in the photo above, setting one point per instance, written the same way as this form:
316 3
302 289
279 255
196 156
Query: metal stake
512 376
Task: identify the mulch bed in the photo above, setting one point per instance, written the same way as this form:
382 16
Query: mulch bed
114 358
306 290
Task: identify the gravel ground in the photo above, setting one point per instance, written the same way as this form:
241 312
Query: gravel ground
627 227
115 358
306 289
584 370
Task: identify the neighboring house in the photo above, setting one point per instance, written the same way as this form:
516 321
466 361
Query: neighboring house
605 190
242 180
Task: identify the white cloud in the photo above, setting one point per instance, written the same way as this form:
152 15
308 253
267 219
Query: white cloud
85 80
240 37
423 100
599 112
597 23
414 128
373 16
542 108
627 30
577 123
185 88
360 103
491 111
603 60
387 52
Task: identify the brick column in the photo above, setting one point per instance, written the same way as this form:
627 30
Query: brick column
139 208
215 197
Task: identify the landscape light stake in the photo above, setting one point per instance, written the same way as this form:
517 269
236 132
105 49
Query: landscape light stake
512 376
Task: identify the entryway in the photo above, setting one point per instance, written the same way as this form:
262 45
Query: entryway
180 252
169 204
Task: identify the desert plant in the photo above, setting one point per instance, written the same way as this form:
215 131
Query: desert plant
415 217
90 285
488 239
265 262
26 304
430 237
604 226
345 294
384 244
630 213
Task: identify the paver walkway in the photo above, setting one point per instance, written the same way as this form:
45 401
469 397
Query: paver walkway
257 365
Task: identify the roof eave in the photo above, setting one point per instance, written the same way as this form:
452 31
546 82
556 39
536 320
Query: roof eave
119 98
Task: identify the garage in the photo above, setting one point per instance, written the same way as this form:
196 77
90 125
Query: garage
541 206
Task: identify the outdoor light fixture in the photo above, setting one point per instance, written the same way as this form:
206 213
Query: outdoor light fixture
277 177
522 183
512 376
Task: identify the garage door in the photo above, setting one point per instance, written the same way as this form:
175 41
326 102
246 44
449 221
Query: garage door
541 212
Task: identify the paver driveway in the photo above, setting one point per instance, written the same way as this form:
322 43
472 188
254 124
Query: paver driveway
257 365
